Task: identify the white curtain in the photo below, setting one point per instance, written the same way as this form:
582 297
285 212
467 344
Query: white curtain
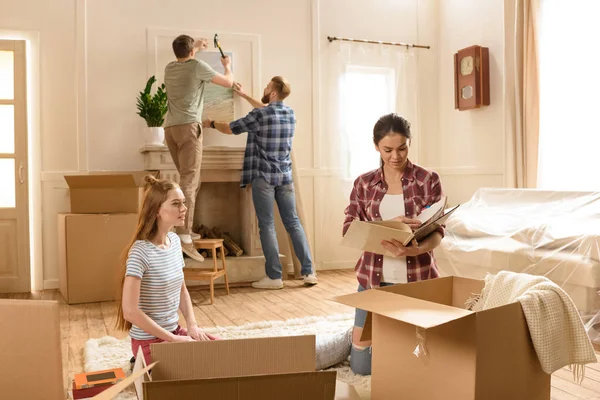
361 83
569 86
522 92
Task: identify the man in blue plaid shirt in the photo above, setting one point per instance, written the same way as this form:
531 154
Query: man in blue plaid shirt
268 168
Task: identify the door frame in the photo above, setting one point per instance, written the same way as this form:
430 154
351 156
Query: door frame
34 153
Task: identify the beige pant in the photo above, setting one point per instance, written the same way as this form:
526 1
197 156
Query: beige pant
185 145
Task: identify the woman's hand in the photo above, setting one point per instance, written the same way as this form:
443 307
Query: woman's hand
399 250
177 338
412 222
196 333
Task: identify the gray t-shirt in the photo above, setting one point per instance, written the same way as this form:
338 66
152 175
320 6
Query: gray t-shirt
185 82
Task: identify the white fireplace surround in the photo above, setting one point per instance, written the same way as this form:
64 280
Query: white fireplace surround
220 164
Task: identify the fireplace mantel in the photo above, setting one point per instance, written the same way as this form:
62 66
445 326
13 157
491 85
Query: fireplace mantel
219 163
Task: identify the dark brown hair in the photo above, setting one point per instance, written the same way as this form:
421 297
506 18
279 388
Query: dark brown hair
388 124
183 45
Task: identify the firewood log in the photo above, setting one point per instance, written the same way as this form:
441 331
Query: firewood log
229 243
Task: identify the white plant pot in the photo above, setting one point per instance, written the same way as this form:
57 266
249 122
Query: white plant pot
155 135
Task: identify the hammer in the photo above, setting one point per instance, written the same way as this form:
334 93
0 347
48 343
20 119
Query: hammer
217 45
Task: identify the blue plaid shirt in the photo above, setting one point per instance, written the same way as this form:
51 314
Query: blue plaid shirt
270 132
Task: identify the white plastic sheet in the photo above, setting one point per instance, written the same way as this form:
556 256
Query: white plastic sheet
548 233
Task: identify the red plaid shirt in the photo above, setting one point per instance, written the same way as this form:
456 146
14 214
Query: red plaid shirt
421 189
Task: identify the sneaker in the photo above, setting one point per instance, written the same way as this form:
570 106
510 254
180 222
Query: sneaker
268 283
195 236
310 280
190 251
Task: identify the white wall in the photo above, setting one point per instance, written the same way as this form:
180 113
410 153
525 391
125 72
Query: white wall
469 145
94 61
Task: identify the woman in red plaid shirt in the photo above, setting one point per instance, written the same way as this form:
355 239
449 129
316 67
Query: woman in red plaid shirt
399 190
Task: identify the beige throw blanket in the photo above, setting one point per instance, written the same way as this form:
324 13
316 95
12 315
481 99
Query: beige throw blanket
555 325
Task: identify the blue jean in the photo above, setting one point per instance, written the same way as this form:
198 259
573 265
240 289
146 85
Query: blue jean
264 196
360 359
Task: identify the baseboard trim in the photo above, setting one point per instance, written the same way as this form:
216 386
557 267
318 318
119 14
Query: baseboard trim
327 265
50 284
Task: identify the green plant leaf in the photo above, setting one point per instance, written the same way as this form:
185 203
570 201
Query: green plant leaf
152 108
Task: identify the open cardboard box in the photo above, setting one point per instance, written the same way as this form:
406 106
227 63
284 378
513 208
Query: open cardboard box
107 192
428 346
266 368
258 368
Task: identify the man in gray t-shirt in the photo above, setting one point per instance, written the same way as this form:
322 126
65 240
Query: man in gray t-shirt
185 80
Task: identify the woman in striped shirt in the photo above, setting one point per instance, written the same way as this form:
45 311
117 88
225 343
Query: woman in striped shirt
399 190
153 289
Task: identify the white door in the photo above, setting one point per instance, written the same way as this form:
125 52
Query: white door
14 203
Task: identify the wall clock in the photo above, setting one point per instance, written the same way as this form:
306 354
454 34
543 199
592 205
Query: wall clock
471 78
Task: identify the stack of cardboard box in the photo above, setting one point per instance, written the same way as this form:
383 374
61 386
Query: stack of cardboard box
93 236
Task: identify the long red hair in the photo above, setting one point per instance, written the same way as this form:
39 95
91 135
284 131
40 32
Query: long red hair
156 193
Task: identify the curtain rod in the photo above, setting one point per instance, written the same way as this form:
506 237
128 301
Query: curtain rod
332 38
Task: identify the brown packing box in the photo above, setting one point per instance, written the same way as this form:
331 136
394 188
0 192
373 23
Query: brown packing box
102 192
259 368
244 369
486 355
30 350
90 250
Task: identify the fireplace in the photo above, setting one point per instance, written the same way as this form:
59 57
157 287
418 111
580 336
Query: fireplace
221 203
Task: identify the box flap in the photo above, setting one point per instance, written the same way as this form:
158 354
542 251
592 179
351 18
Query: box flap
106 181
231 358
138 176
421 313
140 363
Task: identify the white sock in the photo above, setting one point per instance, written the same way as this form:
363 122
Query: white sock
185 237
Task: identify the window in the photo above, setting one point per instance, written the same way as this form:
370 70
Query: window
366 94
569 102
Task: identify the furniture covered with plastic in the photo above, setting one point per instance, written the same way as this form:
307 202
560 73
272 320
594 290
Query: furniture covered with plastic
549 233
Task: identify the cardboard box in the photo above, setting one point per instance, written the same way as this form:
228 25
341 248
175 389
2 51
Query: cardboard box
259 368
469 356
30 349
115 192
90 252
245 369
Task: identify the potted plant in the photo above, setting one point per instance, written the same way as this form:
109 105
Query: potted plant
153 109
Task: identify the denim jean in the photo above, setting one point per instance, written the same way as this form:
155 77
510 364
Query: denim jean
360 359
264 196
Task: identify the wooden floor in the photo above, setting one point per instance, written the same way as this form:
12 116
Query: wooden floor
81 322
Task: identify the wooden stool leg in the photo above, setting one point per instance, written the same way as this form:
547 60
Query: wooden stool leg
212 281
225 270
214 256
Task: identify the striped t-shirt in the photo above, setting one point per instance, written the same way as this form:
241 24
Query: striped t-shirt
161 272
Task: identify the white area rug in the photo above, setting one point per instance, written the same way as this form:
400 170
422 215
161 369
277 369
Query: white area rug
108 352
